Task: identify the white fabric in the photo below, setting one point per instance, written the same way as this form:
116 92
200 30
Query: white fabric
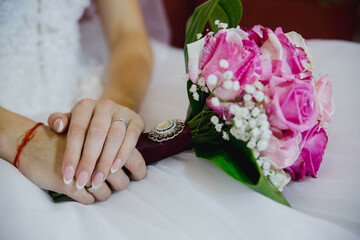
185 197
40 52
182 197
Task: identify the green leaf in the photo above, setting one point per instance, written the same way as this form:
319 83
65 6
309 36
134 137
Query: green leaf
59 197
237 160
195 107
229 11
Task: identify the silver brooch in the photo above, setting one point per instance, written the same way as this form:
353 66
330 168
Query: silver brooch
166 130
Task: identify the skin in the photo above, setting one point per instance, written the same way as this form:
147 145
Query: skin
88 147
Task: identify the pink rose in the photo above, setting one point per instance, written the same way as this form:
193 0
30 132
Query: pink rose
283 151
292 105
324 99
282 55
314 142
241 58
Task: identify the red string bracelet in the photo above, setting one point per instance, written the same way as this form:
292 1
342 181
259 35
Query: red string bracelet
29 134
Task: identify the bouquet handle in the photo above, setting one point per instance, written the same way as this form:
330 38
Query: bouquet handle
154 151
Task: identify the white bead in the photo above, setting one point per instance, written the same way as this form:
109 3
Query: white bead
262 145
258 85
217 22
249 105
266 166
218 127
244 111
234 109
265 126
215 101
192 88
198 36
247 97
273 179
266 173
251 144
266 135
236 86
247 116
255 112
239 123
252 123
256 154
201 81
196 96
245 136
259 96
214 120
225 136
204 89
212 80
228 85
250 88
224 63
261 119
223 25
255 132
228 75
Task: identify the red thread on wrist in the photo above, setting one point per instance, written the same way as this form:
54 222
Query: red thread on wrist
29 134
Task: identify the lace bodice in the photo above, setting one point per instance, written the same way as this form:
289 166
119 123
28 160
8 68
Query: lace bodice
39 54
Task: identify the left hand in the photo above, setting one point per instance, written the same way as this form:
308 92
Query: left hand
99 142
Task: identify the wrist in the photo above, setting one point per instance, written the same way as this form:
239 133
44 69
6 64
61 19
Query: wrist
12 126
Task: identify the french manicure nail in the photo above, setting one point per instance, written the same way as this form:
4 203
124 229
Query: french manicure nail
59 125
68 174
81 179
116 165
97 179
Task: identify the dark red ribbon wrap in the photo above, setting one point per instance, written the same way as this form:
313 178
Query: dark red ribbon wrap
155 151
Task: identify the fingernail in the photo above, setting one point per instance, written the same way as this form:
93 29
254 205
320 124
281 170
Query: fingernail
58 124
97 179
81 179
116 165
68 174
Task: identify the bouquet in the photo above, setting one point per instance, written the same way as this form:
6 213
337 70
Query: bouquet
256 110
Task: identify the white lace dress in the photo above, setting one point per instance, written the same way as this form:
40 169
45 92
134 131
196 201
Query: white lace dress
41 57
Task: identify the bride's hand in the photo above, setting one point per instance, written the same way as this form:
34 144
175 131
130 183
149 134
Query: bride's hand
101 138
41 163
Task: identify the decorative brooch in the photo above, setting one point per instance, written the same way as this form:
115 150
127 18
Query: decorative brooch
166 130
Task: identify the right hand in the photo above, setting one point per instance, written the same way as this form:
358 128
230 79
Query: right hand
41 163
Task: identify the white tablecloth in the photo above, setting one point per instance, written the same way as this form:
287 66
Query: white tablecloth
185 197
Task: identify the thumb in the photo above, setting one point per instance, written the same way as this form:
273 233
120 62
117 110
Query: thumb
59 122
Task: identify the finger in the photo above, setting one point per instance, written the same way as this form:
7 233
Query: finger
59 122
102 193
81 196
80 120
118 180
112 144
136 165
133 131
94 141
